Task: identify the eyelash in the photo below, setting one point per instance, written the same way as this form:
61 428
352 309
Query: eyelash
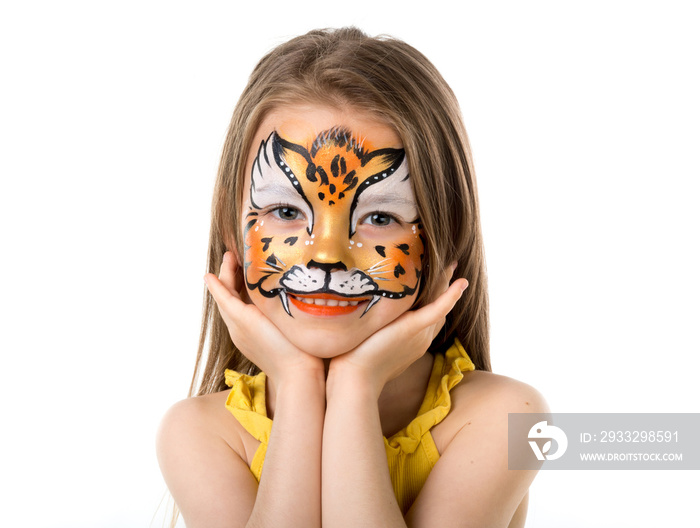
276 209
392 219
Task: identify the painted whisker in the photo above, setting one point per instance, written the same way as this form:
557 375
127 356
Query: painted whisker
272 265
378 264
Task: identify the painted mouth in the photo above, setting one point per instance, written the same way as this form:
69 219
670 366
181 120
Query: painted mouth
324 304
327 299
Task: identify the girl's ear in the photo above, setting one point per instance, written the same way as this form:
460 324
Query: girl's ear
234 251
231 246
240 282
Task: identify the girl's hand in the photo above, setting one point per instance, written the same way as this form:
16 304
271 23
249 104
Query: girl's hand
252 332
391 350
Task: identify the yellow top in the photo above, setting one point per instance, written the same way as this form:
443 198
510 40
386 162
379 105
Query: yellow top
411 452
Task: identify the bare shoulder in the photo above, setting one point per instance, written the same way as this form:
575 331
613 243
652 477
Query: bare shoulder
191 416
473 444
484 397
202 455
480 388
204 419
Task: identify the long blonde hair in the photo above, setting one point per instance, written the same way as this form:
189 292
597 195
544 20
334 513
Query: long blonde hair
394 82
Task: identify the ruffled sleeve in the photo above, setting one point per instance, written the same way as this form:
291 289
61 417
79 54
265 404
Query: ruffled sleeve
447 372
246 401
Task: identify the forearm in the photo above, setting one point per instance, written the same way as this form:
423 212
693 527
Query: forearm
289 493
357 489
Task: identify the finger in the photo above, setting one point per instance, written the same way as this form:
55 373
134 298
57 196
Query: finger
222 295
440 307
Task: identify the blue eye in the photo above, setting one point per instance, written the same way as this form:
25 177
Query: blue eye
286 213
379 219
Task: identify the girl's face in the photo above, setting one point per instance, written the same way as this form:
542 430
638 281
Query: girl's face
332 239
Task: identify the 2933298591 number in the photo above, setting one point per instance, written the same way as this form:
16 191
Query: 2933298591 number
639 436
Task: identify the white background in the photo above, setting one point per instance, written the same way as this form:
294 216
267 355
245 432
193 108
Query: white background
583 118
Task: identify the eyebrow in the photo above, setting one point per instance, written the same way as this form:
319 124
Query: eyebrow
387 198
277 190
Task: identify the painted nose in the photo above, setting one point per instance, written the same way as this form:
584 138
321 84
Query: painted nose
328 267
330 249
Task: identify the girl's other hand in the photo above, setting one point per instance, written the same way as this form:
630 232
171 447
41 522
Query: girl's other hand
253 333
391 350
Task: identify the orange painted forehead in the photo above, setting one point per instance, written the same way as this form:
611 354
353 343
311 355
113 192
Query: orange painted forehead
333 152
369 137
335 166
302 125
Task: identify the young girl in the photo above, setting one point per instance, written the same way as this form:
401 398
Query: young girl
351 318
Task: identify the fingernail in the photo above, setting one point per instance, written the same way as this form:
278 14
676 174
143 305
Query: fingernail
205 280
464 285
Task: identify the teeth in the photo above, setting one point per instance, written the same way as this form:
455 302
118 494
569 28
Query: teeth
326 302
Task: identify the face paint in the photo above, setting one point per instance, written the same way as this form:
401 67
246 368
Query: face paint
332 225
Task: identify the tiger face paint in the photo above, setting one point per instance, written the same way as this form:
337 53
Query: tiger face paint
331 224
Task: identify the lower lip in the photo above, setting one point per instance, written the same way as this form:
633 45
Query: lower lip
324 310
